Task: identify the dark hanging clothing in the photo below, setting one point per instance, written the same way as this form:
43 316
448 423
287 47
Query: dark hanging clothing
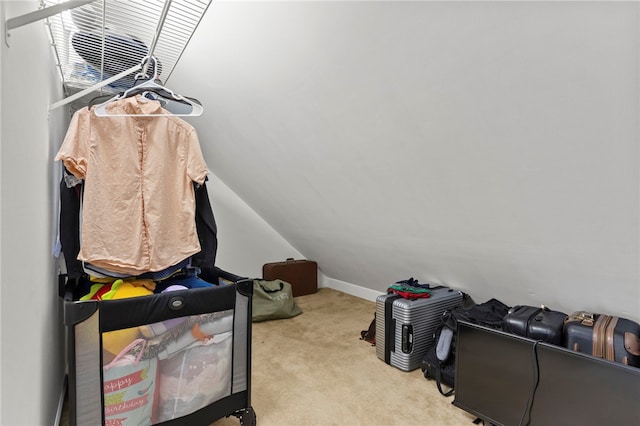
70 202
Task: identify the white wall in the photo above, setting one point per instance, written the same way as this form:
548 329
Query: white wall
31 327
489 146
245 240
1 137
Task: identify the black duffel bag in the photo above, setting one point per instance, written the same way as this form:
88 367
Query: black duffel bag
439 362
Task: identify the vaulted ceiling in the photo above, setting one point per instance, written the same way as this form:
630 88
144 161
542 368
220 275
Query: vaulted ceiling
490 146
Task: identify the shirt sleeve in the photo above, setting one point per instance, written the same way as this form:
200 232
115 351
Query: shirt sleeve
74 151
196 167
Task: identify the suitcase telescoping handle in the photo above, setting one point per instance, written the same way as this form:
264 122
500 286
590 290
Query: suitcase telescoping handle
585 318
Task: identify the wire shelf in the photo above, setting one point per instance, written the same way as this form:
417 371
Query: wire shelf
101 39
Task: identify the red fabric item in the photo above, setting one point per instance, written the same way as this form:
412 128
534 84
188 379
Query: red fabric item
409 295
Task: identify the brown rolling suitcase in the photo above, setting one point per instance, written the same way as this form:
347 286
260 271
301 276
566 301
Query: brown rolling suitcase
301 274
604 336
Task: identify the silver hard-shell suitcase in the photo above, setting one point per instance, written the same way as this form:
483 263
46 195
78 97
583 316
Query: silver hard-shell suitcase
405 327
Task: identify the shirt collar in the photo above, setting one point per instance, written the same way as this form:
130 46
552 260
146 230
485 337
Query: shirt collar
134 105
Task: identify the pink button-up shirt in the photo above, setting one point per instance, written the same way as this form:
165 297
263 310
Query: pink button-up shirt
138 211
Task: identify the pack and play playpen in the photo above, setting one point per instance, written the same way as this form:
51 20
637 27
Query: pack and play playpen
183 357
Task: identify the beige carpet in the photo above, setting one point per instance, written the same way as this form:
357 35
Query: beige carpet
314 370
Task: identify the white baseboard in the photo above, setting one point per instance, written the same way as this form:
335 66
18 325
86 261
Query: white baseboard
352 289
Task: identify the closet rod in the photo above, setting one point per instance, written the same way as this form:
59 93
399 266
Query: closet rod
37 15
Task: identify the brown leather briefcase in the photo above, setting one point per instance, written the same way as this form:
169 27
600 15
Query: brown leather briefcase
301 274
